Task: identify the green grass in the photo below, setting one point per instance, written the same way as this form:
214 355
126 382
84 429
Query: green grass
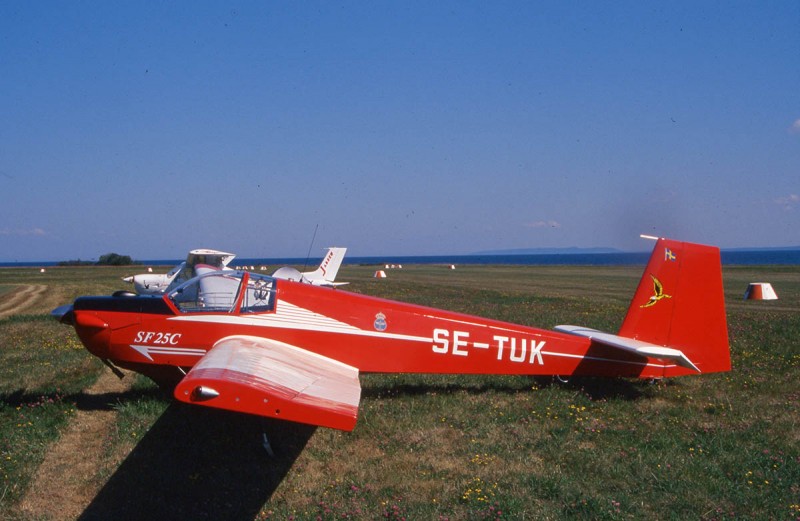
717 446
42 367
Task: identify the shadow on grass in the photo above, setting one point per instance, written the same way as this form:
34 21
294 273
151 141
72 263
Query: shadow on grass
595 388
383 390
199 463
82 400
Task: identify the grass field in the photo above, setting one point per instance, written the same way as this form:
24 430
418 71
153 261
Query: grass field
718 446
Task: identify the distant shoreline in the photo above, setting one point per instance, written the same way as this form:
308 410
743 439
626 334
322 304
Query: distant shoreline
730 257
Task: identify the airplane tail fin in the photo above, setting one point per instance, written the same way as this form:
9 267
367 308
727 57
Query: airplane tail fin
680 304
677 315
328 268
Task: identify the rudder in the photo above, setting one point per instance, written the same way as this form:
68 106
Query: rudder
680 303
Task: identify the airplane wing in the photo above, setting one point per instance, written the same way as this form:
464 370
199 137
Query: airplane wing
631 345
260 376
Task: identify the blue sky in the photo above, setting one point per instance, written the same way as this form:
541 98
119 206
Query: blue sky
414 128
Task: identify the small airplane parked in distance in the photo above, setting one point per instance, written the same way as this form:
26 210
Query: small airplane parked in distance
324 275
158 283
278 348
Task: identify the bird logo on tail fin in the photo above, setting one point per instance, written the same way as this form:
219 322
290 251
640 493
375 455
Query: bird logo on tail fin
658 293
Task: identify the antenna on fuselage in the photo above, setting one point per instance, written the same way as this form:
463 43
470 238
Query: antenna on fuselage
308 255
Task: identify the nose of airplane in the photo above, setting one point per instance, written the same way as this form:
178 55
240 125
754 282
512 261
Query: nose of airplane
64 314
129 280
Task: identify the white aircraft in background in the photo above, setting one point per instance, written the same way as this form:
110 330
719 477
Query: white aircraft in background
213 260
324 275
155 283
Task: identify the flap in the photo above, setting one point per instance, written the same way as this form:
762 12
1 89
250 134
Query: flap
269 378
631 345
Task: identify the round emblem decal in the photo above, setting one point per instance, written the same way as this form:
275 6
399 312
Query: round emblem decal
380 322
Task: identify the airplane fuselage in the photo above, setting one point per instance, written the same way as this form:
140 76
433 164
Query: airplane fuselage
152 335
256 344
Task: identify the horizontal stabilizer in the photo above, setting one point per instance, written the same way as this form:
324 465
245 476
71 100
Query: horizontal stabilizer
270 378
629 344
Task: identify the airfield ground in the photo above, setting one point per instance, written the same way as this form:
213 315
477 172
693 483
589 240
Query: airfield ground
77 443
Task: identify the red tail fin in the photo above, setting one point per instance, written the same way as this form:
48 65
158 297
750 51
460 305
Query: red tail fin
680 303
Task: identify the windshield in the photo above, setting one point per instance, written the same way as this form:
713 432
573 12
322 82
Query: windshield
218 292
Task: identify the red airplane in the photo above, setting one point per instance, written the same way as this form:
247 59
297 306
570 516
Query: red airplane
282 349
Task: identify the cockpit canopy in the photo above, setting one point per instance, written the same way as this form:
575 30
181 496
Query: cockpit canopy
219 291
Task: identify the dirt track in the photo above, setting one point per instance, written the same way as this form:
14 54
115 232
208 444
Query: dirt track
21 299
65 482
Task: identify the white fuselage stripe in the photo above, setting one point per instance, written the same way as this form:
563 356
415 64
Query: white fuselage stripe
290 316
282 323
189 351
